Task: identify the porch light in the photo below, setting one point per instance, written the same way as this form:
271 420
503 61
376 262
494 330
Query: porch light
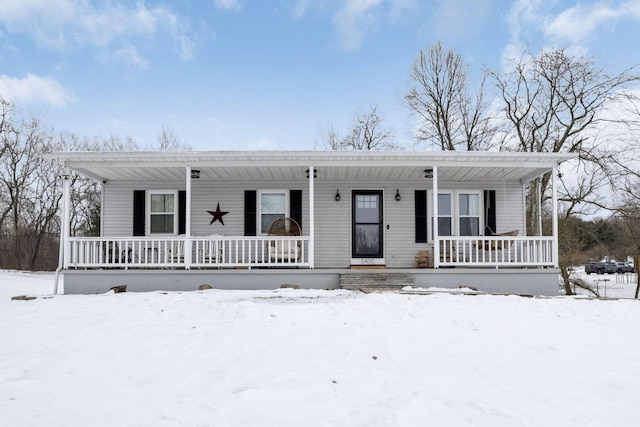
428 173
315 173
195 174
398 197
337 195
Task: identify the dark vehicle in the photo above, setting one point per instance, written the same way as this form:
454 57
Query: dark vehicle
623 267
595 267
607 267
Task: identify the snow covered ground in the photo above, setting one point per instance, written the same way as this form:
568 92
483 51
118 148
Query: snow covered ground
314 358
606 285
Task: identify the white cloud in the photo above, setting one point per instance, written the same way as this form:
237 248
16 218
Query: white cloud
457 18
130 55
300 8
354 20
399 6
187 46
579 22
532 21
34 90
523 14
234 5
68 23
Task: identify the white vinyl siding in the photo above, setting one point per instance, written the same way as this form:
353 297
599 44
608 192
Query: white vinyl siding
333 219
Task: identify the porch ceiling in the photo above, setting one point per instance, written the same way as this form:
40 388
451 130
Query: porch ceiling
334 166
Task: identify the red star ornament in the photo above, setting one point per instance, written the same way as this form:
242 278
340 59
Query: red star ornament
217 215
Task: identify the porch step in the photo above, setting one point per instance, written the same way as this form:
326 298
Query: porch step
368 282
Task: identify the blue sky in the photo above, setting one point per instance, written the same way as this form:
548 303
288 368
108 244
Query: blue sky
249 74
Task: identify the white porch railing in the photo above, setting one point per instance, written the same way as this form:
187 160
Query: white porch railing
498 251
183 252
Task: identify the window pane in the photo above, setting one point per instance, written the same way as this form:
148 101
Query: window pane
469 204
367 208
273 203
367 240
162 202
266 221
470 226
161 223
444 226
444 204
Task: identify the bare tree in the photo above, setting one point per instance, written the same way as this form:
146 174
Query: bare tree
629 215
449 115
168 141
366 133
6 109
32 195
556 103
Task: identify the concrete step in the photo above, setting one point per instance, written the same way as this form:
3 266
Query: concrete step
375 281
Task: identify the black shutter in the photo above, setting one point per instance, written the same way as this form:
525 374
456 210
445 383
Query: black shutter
182 212
489 212
250 212
295 208
139 199
421 216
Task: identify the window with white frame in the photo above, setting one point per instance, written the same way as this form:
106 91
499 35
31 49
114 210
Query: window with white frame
162 213
272 204
458 213
468 213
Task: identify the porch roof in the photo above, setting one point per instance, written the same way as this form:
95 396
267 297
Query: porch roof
330 165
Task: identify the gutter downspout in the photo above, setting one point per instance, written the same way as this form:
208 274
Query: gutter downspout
64 226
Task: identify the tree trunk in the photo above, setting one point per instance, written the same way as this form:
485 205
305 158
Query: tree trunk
636 258
565 279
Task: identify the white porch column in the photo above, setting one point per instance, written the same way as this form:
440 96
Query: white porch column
554 197
102 207
436 241
312 214
187 220
63 258
539 203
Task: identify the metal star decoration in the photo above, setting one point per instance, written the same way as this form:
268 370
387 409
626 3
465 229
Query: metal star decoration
217 215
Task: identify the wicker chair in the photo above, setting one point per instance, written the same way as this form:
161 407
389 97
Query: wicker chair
282 250
285 226
493 245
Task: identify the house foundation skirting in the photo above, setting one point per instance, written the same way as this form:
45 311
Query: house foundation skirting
535 281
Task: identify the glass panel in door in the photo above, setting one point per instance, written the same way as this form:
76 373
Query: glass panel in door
367 224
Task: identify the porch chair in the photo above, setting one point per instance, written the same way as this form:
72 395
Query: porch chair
281 250
498 245
112 254
422 259
211 251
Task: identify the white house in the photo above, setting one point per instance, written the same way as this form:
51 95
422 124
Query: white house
174 221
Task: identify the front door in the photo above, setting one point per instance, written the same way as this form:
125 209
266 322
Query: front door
367 232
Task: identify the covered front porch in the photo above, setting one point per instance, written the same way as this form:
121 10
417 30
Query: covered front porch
476 192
